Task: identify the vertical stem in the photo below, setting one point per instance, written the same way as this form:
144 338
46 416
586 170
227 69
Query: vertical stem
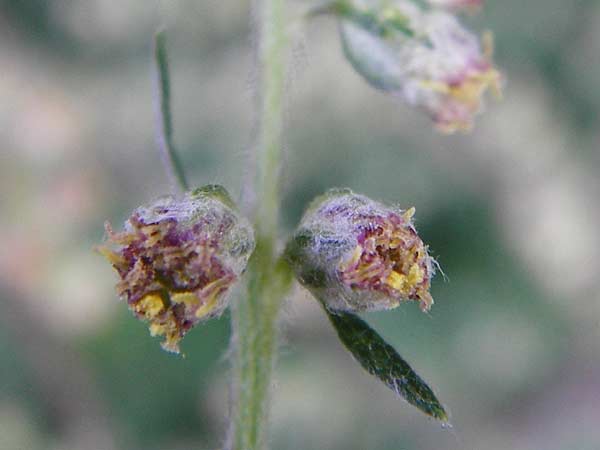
255 331
272 65
254 317
164 126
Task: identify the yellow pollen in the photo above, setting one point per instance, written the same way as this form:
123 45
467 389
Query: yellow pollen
151 305
468 93
470 90
396 280
211 292
113 257
188 298
415 275
408 214
205 309
157 329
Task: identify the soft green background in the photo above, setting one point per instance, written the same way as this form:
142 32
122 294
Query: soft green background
511 211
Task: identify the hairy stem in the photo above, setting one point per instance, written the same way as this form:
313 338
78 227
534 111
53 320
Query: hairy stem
272 44
255 327
164 125
254 317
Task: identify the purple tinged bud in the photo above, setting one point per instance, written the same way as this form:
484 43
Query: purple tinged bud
356 254
177 260
424 56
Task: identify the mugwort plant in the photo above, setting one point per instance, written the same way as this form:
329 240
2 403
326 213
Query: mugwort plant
178 258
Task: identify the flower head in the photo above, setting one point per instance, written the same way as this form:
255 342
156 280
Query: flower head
178 258
356 254
428 58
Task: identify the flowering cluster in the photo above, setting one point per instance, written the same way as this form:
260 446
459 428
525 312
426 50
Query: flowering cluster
356 254
178 258
423 55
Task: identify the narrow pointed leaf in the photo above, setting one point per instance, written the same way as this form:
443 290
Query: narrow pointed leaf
164 126
381 360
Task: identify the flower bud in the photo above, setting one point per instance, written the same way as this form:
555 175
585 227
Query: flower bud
424 56
178 258
356 254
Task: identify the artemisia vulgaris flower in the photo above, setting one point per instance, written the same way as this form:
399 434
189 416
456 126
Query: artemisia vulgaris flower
423 55
178 258
356 254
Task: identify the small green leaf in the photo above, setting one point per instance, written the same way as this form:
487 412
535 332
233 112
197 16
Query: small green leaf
165 125
381 360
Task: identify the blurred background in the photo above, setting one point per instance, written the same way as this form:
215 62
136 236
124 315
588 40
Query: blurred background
511 212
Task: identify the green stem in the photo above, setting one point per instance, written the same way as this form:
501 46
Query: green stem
254 317
254 321
165 119
272 43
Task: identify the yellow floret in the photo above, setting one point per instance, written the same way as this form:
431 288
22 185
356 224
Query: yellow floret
151 305
415 275
409 213
396 281
188 298
211 292
470 91
157 329
113 257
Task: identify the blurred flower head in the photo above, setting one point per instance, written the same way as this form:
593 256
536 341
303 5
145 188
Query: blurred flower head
356 254
423 55
178 258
